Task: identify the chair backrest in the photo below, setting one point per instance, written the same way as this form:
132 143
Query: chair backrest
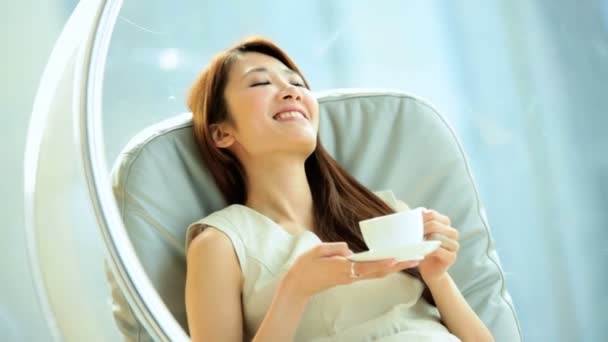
386 139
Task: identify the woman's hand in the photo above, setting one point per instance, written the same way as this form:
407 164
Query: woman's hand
436 264
326 266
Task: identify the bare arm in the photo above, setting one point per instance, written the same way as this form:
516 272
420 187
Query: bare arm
456 313
458 316
213 289
283 316
213 295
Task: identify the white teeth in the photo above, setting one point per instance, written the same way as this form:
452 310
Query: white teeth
286 115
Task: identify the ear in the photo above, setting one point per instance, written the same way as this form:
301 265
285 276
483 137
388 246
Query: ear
221 135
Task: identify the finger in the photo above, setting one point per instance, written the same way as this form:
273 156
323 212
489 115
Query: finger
430 215
447 243
443 255
433 227
407 264
437 217
369 267
333 249
400 266
440 227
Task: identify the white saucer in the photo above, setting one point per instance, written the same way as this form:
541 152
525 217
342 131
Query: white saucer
407 252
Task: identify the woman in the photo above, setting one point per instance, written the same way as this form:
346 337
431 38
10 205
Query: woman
273 265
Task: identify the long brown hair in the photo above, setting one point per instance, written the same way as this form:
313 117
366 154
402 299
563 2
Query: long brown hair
339 200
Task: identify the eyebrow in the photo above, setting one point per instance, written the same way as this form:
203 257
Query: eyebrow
264 69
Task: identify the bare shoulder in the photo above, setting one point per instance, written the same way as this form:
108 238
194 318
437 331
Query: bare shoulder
212 246
208 239
213 288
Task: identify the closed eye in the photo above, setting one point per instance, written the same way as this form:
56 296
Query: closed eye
297 84
260 83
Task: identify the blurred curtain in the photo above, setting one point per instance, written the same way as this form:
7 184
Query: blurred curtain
532 76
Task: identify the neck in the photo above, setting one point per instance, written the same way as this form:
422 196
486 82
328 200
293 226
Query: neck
279 189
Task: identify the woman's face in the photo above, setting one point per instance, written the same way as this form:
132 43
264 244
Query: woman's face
270 109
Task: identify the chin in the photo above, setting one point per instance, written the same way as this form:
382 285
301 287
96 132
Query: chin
306 146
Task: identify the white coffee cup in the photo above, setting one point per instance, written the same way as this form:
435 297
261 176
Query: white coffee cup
393 230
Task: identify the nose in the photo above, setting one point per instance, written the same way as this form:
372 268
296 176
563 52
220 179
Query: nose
291 92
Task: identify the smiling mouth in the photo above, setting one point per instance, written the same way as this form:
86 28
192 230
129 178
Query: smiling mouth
289 116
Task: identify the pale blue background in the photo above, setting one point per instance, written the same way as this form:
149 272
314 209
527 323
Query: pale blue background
524 83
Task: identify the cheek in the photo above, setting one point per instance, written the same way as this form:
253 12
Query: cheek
313 106
257 104
251 103
251 116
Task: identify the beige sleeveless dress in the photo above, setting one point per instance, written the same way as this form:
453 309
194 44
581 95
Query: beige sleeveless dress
387 309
